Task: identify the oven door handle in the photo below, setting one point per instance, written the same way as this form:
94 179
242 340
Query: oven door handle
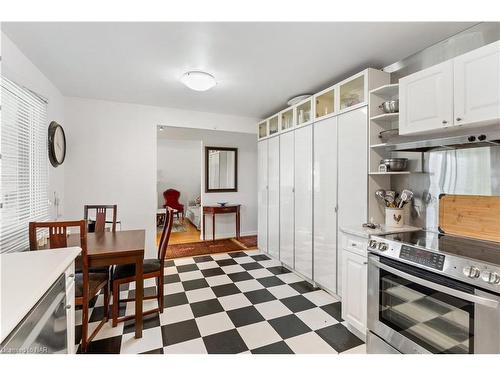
440 288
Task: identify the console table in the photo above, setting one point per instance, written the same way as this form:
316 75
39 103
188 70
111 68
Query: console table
216 210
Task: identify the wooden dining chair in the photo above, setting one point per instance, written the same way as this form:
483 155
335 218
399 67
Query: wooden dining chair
87 284
151 268
100 215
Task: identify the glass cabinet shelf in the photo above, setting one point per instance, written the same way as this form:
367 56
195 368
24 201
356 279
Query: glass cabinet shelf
287 119
352 92
273 125
262 129
303 112
325 103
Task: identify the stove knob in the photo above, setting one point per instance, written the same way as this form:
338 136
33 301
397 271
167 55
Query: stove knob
382 246
372 244
471 271
491 277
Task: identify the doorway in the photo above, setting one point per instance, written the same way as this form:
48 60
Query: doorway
179 183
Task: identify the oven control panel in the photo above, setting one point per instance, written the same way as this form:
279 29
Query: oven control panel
423 257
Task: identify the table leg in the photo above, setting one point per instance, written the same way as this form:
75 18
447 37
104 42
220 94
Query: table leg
139 291
238 224
213 227
203 219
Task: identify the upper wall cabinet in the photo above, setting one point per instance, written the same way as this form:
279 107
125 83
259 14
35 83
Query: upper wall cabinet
286 119
303 112
461 91
426 99
262 129
347 95
325 103
352 92
274 125
477 85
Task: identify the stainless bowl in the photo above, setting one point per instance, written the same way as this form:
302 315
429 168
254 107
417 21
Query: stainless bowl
390 106
395 164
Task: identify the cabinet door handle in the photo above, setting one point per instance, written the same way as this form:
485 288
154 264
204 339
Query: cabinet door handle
71 275
459 119
68 307
445 122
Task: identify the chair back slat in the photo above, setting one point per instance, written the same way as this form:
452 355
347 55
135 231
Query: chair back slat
165 235
100 215
57 233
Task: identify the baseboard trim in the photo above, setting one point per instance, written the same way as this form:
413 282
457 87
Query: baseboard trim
223 236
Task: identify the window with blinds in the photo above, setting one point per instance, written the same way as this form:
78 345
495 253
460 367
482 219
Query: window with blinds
23 164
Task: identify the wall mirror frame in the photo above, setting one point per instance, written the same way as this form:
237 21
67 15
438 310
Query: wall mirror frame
221 169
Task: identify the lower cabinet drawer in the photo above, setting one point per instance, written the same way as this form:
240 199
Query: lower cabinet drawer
358 245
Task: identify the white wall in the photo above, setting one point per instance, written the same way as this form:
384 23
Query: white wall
19 69
179 167
247 177
111 158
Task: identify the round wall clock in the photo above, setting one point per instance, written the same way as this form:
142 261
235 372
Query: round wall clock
57 144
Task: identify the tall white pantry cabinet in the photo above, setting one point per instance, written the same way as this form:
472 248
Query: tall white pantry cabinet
315 177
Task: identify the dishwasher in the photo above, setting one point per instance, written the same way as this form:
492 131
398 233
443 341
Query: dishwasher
44 328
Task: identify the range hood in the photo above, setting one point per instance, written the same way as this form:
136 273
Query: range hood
491 138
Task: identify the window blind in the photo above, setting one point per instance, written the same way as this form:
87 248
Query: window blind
23 164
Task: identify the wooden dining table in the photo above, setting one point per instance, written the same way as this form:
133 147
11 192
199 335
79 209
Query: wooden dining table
106 249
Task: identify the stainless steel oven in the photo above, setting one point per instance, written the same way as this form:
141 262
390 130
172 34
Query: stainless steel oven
414 310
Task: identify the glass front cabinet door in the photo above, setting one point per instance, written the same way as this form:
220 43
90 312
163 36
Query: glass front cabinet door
286 118
325 103
352 91
262 128
303 112
274 125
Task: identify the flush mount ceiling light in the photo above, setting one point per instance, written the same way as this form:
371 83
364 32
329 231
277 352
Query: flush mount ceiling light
297 99
198 81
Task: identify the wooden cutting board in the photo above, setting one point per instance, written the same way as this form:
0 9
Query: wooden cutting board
473 216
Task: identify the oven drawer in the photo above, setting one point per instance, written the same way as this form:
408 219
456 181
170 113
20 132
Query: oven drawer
375 345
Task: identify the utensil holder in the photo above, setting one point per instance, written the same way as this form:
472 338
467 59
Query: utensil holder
394 217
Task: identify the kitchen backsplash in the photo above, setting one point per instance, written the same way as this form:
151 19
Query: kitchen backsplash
472 171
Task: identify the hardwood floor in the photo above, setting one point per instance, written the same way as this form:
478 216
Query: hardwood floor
190 235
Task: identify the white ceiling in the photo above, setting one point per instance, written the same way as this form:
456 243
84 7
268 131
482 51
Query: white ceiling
258 66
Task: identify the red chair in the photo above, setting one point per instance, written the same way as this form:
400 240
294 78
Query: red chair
171 197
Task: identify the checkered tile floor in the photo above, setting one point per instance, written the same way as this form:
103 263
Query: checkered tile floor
239 302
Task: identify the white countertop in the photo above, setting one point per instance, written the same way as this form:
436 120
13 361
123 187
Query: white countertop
367 232
25 278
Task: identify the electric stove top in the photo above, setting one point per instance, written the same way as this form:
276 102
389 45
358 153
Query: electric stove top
474 261
483 251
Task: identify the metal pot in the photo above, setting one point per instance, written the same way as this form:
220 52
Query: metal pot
395 164
384 135
390 106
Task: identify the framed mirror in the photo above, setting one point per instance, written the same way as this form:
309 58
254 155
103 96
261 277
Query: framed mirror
221 169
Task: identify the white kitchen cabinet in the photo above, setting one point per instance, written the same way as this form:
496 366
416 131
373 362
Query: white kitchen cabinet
286 199
426 99
262 157
354 290
262 130
477 85
325 202
303 201
352 167
273 207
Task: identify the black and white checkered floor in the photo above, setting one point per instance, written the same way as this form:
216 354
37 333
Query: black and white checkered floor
239 302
